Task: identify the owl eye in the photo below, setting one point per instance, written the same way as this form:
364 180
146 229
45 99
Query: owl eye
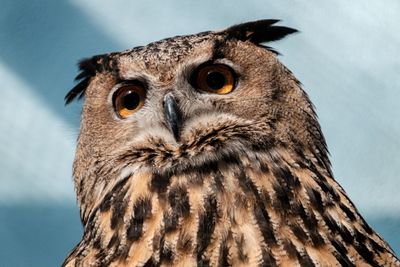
214 78
128 99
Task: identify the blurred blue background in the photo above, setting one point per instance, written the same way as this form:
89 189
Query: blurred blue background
347 57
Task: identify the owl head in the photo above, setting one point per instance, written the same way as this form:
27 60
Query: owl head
186 101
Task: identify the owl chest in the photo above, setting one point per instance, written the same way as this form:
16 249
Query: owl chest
213 215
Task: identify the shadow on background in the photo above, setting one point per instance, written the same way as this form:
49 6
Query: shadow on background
41 40
38 235
388 228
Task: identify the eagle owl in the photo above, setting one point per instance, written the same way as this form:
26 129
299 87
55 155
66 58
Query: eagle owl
203 150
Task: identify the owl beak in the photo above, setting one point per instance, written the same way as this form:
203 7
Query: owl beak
172 115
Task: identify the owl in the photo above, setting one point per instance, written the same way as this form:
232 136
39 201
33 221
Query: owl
204 150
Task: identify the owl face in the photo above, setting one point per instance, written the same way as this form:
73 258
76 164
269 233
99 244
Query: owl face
190 99
169 99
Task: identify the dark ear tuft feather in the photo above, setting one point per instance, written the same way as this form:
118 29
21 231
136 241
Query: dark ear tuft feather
88 68
87 71
260 31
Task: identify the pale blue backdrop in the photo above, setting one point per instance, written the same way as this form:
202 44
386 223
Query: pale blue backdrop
347 57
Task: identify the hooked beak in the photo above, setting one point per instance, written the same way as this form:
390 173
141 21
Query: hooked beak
172 115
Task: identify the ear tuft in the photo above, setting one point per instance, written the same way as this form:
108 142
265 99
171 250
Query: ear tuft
88 68
259 31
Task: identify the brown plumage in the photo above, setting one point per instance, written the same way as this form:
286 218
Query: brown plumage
203 150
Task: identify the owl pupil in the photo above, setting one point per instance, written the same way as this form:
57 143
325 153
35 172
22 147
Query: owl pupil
131 100
215 80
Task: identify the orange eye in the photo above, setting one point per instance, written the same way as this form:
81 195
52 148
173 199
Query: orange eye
214 78
128 99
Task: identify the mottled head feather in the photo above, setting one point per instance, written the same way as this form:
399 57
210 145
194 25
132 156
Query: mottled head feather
257 32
